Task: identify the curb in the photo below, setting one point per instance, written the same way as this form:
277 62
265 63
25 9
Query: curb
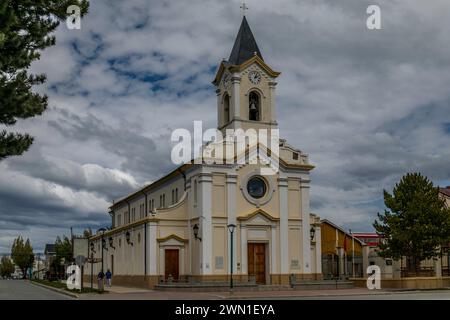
62 291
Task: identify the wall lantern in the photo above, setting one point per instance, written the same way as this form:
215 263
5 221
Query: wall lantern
92 246
195 228
128 237
104 244
111 243
312 233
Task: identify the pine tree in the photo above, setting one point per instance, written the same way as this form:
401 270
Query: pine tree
22 254
6 267
416 223
25 30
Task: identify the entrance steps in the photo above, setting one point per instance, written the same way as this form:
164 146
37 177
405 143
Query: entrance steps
240 286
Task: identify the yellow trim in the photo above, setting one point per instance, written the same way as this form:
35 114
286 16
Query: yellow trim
123 227
255 213
172 236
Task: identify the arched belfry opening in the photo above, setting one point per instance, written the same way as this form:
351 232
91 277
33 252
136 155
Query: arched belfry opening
226 108
254 105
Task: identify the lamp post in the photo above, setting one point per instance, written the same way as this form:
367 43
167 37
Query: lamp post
231 228
102 230
92 264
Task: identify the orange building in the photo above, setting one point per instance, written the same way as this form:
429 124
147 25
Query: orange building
342 253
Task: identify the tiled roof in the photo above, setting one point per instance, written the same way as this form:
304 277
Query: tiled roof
445 191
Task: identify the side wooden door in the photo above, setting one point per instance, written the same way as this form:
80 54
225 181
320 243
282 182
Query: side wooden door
257 261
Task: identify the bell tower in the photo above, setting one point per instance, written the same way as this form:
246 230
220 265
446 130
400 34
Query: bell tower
245 86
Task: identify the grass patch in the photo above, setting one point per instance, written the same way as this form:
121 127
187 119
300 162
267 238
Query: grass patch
62 285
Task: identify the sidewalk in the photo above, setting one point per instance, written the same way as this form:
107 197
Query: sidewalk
129 293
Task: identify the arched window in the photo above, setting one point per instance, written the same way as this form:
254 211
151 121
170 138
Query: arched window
226 108
254 106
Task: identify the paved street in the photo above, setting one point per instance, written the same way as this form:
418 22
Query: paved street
23 290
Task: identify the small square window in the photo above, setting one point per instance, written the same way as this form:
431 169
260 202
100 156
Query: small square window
295 156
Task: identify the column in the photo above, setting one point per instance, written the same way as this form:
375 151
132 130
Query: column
273 250
273 111
235 97
318 237
306 226
205 186
284 228
244 262
152 254
219 108
438 267
231 217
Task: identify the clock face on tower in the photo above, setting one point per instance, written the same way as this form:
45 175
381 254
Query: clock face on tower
254 77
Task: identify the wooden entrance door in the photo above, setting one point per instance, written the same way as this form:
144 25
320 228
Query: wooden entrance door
172 263
257 261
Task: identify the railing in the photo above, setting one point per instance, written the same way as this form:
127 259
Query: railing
422 272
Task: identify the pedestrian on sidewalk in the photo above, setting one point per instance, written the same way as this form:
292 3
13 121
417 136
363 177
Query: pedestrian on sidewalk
108 278
100 278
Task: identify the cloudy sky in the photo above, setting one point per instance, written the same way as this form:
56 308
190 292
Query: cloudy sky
367 106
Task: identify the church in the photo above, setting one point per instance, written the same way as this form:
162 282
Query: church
203 222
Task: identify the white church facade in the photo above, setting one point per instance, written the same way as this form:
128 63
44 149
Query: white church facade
178 228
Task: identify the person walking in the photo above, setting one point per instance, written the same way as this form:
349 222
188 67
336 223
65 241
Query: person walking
108 278
100 278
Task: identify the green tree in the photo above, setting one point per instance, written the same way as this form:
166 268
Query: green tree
63 249
25 30
6 267
416 222
22 254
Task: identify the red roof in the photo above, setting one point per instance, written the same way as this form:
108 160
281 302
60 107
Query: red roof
445 191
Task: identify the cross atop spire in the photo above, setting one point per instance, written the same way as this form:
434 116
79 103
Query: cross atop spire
244 7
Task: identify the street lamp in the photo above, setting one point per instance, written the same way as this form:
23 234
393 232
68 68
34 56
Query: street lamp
102 230
92 264
231 228
128 237
312 233
195 228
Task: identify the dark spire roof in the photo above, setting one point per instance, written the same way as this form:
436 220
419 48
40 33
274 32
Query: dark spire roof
245 45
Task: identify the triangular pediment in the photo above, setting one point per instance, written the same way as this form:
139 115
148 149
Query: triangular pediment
258 217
